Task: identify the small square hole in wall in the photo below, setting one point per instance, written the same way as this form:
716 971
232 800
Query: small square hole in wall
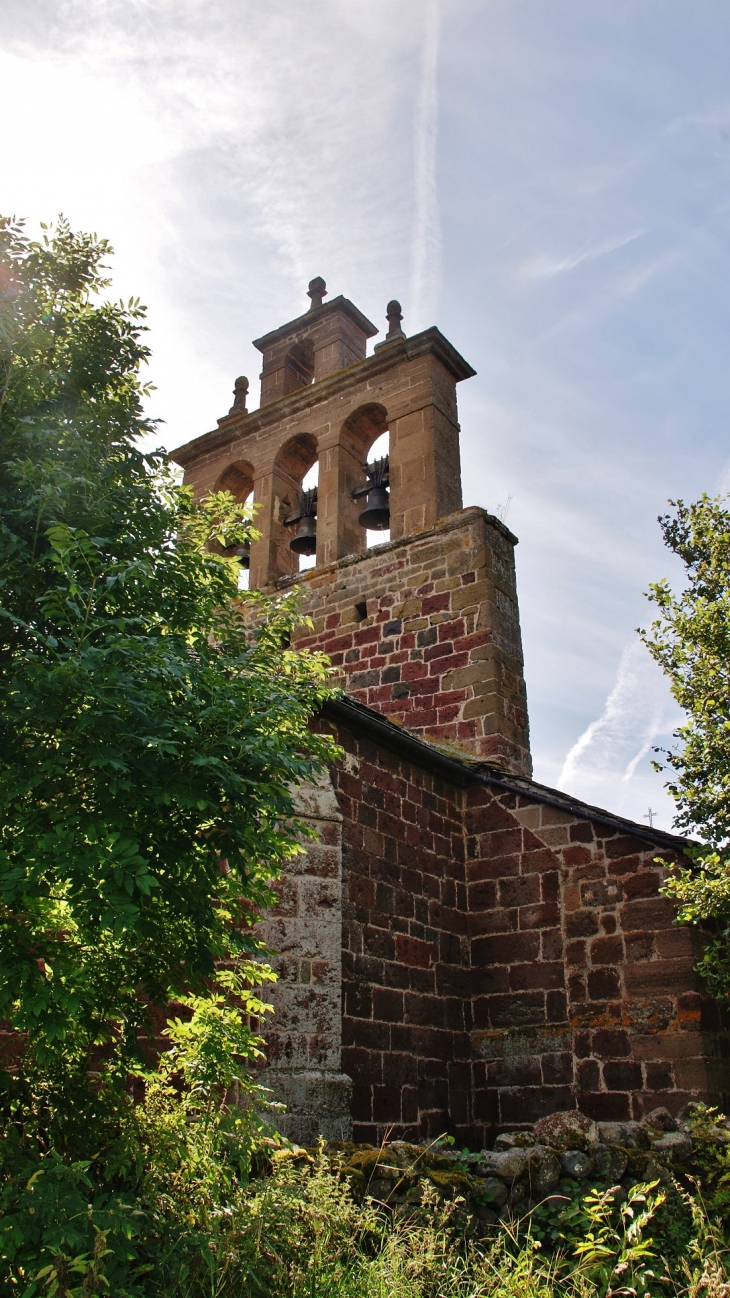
361 611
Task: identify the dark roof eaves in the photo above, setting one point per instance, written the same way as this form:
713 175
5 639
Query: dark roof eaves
468 773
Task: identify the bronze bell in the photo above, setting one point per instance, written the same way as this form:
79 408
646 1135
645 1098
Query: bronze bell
240 551
376 514
305 541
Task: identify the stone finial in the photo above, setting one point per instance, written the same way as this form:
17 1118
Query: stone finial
240 393
394 316
316 291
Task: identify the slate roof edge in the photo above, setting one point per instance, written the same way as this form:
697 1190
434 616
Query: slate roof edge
468 772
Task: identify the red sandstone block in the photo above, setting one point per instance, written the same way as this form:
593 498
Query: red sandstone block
445 663
508 948
538 860
653 976
535 1102
610 1043
413 951
363 1065
622 1075
519 891
496 867
448 714
641 946
466 643
644 884
451 630
336 644
387 1005
413 670
439 651
605 1107
581 923
490 815
366 635
603 985
536 975
500 842
623 845
543 915
423 718
648 913
551 943
425 688
582 832
550 886
588 1075
659 1076
607 950
493 921
576 854
675 943
436 604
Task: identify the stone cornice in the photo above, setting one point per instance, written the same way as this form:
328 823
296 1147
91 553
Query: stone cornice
234 427
310 317
449 523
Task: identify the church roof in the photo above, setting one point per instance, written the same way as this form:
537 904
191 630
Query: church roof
461 768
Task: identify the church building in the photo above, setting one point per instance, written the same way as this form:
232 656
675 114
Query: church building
461 949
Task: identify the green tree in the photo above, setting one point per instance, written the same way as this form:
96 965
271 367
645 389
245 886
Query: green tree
150 731
690 640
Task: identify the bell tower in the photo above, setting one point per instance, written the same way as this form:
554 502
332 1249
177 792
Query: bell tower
425 626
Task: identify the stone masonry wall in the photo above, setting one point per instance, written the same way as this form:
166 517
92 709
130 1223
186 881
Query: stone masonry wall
407 1011
426 631
583 986
503 959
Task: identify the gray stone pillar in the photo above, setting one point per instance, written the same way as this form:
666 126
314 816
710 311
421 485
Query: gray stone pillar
304 1038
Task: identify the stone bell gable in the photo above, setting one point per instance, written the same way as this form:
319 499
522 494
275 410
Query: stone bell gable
459 948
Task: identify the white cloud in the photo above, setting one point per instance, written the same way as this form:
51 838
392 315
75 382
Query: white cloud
546 267
426 255
608 764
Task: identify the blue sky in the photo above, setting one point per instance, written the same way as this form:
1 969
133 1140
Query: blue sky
547 181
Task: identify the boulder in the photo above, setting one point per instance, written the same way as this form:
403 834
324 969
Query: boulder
450 1184
543 1169
510 1164
567 1130
630 1135
507 1140
610 1162
488 1162
493 1191
576 1163
673 1145
660 1118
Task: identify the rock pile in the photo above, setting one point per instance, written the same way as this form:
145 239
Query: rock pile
564 1154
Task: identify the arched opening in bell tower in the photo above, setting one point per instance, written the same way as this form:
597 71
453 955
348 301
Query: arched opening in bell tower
296 473
367 434
238 479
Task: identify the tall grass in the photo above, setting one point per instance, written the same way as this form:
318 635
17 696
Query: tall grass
300 1234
